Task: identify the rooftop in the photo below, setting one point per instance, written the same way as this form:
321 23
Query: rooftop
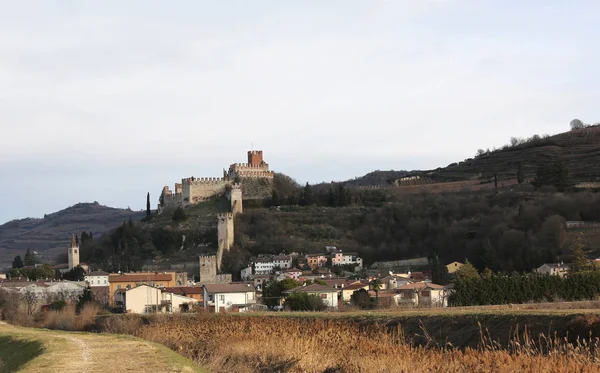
312 288
139 277
421 285
229 288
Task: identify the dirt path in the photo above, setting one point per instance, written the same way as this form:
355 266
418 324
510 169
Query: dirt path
70 352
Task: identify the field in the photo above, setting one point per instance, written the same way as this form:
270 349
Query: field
535 341
27 350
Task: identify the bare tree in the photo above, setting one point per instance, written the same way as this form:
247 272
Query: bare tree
30 298
577 124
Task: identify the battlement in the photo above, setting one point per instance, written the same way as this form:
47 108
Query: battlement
203 180
225 215
236 166
236 186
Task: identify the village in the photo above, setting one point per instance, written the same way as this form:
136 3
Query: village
334 279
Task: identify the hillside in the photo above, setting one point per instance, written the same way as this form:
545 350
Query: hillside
51 235
579 149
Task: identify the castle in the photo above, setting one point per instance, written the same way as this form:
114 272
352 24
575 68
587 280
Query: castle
194 190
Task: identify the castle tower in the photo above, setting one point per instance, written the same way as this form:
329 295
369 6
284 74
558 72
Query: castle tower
208 269
235 196
73 254
224 235
255 157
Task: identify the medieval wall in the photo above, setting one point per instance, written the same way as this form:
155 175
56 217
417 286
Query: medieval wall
224 235
196 190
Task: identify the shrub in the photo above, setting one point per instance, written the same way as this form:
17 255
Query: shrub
304 302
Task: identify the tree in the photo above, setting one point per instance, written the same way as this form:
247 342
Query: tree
86 297
577 124
273 290
360 298
520 173
580 259
17 262
307 196
376 285
555 173
75 274
179 215
304 302
148 213
467 272
29 258
30 298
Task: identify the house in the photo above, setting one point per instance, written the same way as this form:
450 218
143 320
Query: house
124 281
194 292
352 258
553 269
263 266
350 289
229 297
394 281
454 266
260 280
423 294
96 278
282 262
327 294
294 273
316 260
337 258
386 298
144 299
246 273
2 276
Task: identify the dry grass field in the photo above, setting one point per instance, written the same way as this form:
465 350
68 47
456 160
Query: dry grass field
226 343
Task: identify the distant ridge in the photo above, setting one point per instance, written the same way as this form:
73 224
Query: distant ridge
51 234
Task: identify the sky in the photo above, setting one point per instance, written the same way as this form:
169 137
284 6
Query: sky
108 100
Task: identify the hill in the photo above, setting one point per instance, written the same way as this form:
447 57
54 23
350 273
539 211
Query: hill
578 149
51 234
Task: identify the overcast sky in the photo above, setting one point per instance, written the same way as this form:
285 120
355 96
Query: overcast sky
107 100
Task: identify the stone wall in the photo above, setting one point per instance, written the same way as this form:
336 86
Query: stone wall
224 235
235 196
200 189
208 269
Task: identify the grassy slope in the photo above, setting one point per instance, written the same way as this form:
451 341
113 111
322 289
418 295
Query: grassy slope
36 350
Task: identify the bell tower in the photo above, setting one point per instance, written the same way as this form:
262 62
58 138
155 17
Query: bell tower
73 253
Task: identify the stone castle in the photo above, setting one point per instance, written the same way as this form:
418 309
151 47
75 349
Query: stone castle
196 190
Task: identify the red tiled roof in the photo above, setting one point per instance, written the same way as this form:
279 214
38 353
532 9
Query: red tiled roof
312 288
139 277
229 288
420 285
355 286
182 290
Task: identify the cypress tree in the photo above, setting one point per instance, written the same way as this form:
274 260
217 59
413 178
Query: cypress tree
148 205
520 173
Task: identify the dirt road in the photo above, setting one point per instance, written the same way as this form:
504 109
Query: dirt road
71 352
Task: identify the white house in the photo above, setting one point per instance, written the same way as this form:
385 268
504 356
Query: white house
553 269
228 297
263 266
96 278
282 261
423 294
145 299
2 276
352 258
327 294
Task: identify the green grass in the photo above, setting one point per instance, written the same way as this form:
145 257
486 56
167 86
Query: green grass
16 352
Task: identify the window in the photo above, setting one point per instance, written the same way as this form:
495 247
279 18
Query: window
425 293
118 286
324 296
221 298
128 287
104 282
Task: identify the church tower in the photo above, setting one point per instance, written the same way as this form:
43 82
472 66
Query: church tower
73 254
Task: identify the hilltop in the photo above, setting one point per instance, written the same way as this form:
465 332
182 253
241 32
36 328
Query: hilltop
51 234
